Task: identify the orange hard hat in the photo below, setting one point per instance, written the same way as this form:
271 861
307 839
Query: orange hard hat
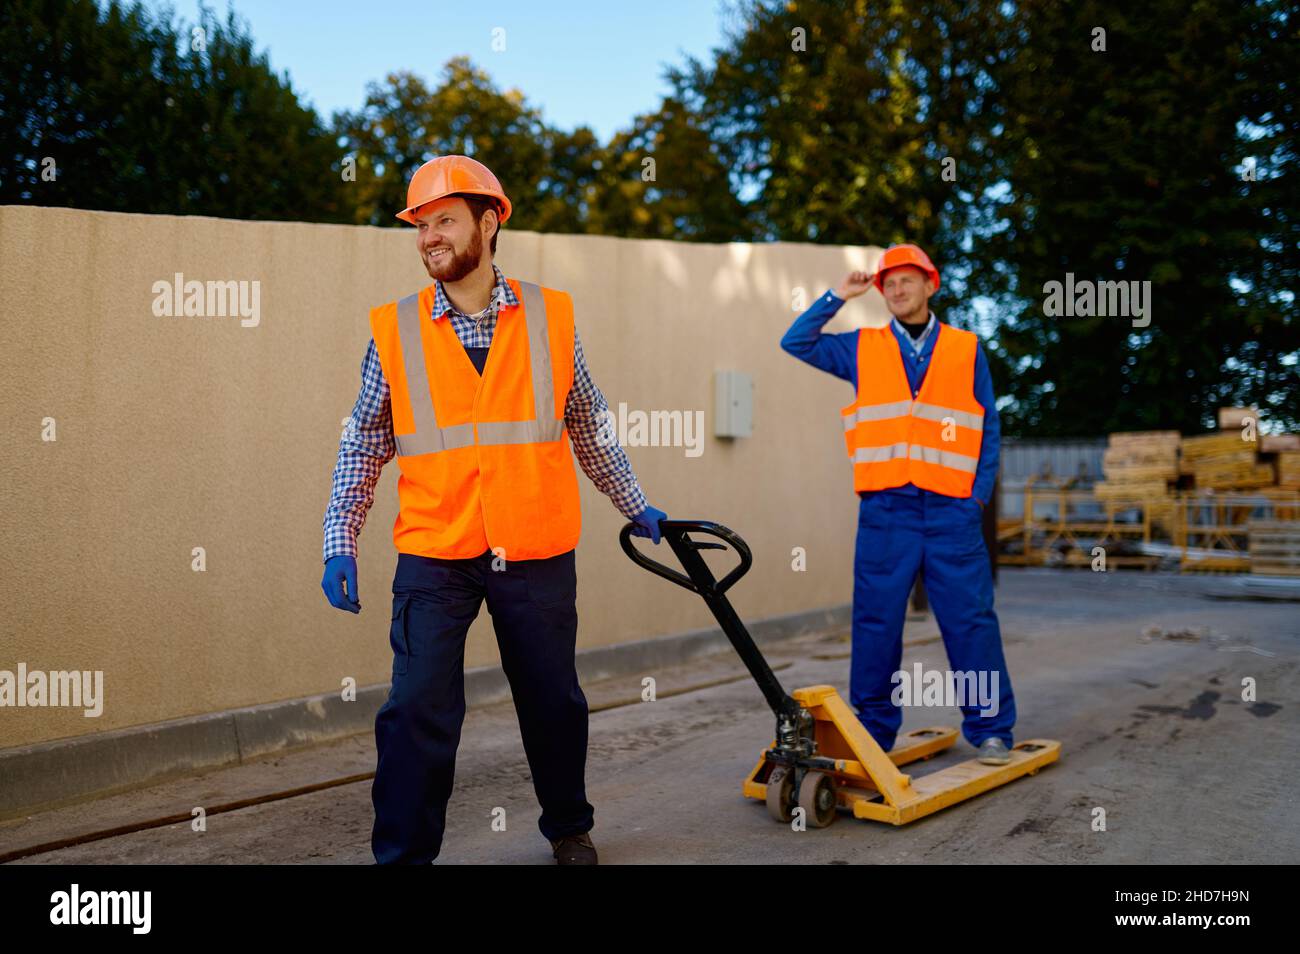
897 255
446 175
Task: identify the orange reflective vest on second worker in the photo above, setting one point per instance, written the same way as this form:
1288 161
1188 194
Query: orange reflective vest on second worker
931 438
485 460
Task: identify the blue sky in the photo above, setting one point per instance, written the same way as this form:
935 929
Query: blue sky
579 61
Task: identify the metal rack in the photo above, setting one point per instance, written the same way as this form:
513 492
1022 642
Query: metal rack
1061 525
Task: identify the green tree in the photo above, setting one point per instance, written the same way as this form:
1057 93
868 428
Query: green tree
141 114
663 178
1126 164
837 118
404 123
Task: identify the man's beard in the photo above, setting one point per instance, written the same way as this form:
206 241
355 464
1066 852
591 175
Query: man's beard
461 264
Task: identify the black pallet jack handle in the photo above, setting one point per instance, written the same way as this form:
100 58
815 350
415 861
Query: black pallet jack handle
700 579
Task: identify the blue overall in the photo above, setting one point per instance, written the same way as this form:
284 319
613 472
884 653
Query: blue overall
904 531
417 730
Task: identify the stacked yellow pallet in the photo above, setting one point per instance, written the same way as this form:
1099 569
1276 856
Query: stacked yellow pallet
1224 461
1147 465
1279 443
1138 465
1275 547
1288 470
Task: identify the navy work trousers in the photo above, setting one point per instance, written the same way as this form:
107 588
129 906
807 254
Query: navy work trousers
417 730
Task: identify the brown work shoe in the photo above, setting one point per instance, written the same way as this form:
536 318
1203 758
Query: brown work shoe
574 850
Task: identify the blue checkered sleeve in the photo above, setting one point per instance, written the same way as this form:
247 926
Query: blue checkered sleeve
366 446
588 419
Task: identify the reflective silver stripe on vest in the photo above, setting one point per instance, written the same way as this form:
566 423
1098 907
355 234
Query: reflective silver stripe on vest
877 455
944 458
877 412
429 438
930 412
545 426
935 412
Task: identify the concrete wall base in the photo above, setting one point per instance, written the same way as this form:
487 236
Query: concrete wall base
51 774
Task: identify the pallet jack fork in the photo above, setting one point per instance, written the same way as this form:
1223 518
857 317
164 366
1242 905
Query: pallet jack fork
822 758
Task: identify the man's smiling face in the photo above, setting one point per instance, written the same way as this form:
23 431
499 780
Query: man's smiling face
449 240
907 289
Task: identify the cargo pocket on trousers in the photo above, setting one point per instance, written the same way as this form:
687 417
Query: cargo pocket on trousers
397 633
874 545
552 581
874 511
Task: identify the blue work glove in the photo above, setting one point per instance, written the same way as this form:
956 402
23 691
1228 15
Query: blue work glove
647 523
340 570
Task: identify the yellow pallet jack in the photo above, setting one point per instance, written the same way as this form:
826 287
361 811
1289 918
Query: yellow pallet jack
822 758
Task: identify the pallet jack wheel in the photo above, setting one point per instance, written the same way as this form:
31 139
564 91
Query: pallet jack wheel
780 794
817 799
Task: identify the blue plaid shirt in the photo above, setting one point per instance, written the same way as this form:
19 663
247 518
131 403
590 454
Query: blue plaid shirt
368 443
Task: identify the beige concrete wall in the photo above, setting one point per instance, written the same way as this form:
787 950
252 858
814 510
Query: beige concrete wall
174 433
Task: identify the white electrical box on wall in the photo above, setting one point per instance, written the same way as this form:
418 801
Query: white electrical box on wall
733 404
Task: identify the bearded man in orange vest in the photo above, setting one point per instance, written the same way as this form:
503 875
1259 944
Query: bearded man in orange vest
476 384
922 434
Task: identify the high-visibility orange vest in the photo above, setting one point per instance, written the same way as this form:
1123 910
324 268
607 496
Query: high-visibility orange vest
484 459
931 438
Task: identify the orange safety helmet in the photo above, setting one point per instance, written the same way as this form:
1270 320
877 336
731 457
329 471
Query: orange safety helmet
446 175
897 255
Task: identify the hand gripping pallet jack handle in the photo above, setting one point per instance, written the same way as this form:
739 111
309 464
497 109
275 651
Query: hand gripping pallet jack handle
700 579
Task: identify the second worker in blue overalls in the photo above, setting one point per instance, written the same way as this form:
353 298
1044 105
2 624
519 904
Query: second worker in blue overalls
923 437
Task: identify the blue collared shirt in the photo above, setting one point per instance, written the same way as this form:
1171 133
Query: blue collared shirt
917 343
838 355
368 443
